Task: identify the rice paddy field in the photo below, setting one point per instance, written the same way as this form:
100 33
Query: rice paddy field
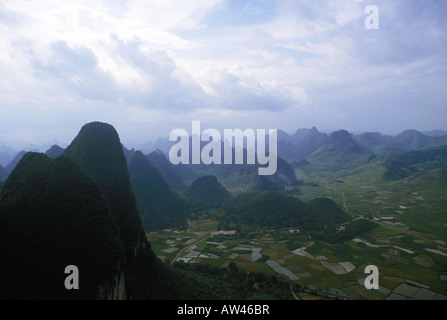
409 244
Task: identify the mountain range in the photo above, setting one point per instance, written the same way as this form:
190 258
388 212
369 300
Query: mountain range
91 204
303 147
78 209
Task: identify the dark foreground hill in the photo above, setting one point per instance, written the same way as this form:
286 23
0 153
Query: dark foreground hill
97 149
79 209
53 215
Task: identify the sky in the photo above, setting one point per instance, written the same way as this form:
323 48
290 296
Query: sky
148 67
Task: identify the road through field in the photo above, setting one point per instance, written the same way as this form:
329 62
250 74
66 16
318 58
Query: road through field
187 247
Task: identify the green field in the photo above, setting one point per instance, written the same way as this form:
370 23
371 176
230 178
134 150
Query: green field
408 245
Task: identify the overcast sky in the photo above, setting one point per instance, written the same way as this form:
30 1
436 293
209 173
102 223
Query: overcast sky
148 67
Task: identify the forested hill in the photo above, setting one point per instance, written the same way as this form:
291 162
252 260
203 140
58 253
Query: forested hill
79 209
53 215
274 210
206 192
159 207
97 149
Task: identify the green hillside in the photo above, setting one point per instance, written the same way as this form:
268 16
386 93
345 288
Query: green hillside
3 174
274 210
415 140
206 192
324 210
53 215
159 207
166 169
414 162
340 152
97 149
247 176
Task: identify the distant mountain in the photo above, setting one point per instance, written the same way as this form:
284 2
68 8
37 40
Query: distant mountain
247 176
416 140
340 151
14 162
408 140
6 155
159 207
403 165
372 140
206 192
244 175
169 174
3 174
55 151
276 210
53 215
343 141
128 153
1 184
435 133
300 144
161 144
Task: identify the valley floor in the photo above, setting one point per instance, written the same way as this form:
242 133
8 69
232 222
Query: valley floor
408 245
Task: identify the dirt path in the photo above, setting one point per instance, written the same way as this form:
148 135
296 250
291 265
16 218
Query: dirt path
293 293
344 204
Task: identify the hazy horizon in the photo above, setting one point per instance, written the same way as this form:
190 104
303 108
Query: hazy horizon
150 144
149 68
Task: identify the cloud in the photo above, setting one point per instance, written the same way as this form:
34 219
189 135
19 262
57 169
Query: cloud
290 62
143 76
235 89
11 18
77 70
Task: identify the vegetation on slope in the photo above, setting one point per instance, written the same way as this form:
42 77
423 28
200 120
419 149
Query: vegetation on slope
53 215
205 193
97 149
275 210
159 207
409 163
